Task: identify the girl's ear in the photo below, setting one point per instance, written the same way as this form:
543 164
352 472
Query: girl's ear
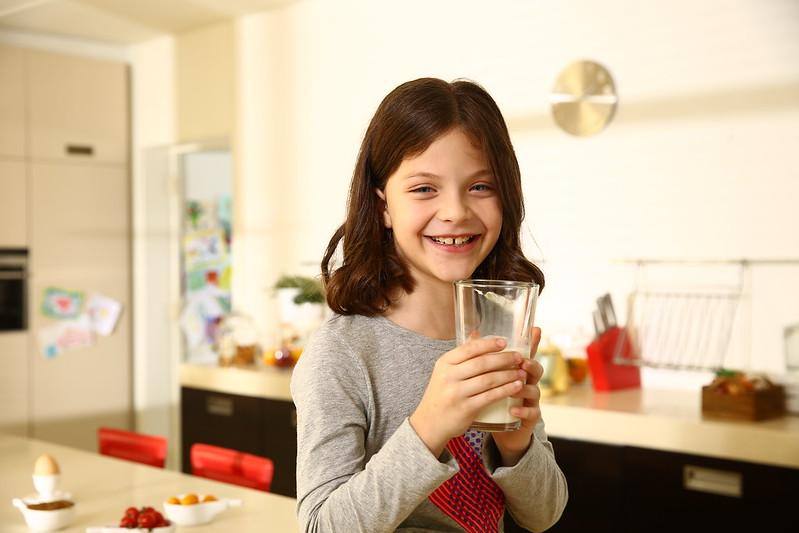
386 216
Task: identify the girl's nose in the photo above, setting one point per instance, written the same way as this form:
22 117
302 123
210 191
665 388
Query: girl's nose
453 209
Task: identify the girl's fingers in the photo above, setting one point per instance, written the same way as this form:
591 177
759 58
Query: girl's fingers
534 369
535 339
479 401
526 413
473 348
491 380
487 363
530 393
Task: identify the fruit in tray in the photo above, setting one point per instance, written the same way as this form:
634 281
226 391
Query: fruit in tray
737 383
190 499
145 517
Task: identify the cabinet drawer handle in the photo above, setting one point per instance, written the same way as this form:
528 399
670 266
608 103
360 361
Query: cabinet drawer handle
721 482
80 149
217 405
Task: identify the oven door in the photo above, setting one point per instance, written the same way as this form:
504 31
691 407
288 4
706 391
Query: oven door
13 290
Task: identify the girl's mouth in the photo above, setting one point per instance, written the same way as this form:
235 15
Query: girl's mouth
454 244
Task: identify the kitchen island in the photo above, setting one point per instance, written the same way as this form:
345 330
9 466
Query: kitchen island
667 420
636 460
103 487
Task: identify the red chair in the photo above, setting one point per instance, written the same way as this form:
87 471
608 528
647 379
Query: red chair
136 447
231 466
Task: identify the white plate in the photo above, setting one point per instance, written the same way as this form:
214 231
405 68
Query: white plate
116 529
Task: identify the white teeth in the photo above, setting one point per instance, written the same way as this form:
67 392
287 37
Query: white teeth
450 240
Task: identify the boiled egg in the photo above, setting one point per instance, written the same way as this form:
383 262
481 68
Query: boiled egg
45 466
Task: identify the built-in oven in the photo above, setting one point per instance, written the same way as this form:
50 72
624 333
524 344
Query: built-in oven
13 289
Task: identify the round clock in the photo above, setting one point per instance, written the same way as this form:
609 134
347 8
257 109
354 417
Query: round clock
584 98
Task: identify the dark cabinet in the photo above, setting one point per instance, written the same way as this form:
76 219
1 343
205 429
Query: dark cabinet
626 489
248 424
677 492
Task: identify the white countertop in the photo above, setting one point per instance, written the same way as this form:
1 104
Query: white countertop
669 420
260 381
103 487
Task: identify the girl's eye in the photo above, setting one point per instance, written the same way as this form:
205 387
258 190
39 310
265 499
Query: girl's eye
423 189
482 187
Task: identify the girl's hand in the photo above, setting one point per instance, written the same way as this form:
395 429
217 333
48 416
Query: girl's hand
465 380
512 445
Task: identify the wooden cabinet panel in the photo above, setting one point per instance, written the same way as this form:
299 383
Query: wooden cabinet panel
79 233
13 205
81 222
14 383
78 108
12 101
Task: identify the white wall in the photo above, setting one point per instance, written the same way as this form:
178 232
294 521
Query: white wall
697 163
153 131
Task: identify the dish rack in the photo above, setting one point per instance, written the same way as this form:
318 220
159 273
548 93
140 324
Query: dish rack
685 320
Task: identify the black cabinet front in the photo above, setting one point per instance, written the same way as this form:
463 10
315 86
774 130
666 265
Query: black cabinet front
244 423
626 489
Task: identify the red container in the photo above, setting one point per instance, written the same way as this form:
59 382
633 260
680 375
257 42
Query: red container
606 375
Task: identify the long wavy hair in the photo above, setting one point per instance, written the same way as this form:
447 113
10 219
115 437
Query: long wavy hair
405 124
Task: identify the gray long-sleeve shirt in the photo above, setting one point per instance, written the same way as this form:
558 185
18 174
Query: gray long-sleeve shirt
360 464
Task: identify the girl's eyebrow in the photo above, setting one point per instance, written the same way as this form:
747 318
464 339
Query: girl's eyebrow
430 175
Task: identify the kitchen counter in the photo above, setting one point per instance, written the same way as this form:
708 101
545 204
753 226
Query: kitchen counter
103 487
668 420
260 381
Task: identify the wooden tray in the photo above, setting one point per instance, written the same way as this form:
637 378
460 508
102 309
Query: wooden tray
757 405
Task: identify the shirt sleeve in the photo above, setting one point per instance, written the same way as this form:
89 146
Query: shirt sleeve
337 489
535 489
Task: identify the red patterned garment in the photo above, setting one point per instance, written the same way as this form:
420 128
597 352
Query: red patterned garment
470 497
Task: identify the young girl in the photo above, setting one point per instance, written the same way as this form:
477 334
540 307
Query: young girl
384 397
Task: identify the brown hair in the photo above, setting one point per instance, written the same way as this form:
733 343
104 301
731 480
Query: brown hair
405 124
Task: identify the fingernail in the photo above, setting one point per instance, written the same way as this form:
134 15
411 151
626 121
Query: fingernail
522 373
501 343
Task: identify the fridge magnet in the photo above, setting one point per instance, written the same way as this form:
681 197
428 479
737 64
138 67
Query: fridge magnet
48 340
204 248
66 335
61 303
104 313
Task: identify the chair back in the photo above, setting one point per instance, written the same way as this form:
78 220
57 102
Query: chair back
136 447
232 466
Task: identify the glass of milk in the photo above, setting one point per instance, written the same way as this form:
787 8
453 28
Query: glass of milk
496 308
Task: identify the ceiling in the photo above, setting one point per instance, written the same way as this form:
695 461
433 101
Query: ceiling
122 21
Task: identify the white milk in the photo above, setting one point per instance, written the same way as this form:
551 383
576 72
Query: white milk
498 412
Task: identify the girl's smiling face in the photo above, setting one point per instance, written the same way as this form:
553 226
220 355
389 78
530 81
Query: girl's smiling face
444 209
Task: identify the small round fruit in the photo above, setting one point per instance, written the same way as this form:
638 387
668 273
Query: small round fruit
189 499
147 520
209 498
128 522
132 512
173 500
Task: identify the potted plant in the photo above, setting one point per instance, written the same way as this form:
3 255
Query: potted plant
301 300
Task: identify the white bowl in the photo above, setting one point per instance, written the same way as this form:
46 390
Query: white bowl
197 513
39 520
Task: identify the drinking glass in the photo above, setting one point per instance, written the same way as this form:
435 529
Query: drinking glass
496 308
